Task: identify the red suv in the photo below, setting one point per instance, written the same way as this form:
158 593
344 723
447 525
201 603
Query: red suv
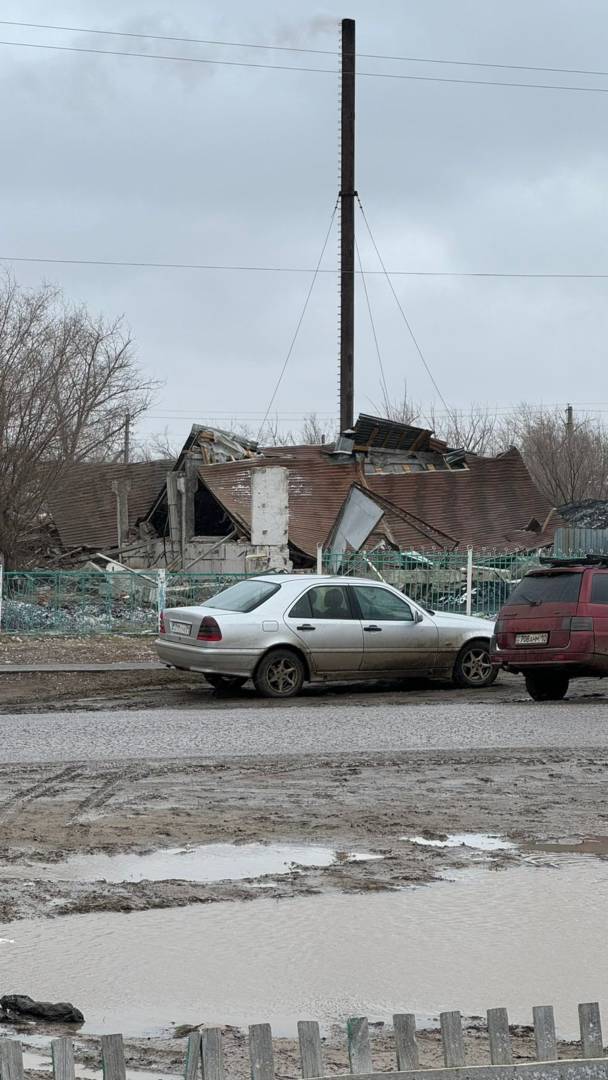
554 626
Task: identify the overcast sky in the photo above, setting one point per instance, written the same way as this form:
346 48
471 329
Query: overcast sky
121 158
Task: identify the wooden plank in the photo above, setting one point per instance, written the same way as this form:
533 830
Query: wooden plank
406 1047
544 1033
11 1060
573 1069
261 1056
451 1037
193 1056
591 1029
113 1057
62 1053
212 1054
311 1054
500 1039
359 1050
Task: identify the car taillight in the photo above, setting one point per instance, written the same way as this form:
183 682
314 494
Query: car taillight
161 623
578 622
209 630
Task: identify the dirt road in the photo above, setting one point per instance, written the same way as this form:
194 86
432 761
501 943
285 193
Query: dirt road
365 802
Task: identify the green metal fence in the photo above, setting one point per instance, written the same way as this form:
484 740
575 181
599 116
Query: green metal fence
129 602
94 602
443 581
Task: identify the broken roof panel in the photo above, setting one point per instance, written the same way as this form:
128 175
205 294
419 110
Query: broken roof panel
375 431
83 508
486 505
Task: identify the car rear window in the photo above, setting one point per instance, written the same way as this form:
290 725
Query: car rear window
547 589
244 596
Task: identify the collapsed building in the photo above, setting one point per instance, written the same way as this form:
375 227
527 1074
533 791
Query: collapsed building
227 505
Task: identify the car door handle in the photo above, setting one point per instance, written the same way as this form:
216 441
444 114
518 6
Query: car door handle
373 629
306 626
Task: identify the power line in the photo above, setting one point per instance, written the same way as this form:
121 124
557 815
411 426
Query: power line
400 306
303 49
373 326
300 321
243 268
291 67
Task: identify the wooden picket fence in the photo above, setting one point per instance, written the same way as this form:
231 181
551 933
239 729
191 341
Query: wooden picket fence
204 1059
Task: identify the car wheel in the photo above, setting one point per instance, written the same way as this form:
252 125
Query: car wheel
547 685
226 682
473 667
280 674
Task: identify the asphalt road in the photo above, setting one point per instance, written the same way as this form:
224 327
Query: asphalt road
232 732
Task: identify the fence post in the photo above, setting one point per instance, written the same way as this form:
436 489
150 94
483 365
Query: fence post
161 594
319 558
469 608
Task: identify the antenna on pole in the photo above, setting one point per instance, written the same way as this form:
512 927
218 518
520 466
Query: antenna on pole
347 227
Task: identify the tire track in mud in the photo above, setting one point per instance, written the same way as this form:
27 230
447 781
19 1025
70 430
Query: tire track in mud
102 794
42 787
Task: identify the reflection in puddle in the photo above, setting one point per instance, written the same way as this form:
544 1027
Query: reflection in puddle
513 938
479 841
205 863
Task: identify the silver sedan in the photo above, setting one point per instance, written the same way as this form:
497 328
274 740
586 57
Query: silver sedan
283 630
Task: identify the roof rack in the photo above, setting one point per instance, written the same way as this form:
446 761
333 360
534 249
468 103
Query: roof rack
571 560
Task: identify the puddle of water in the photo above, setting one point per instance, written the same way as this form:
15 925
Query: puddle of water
586 845
478 841
205 863
514 938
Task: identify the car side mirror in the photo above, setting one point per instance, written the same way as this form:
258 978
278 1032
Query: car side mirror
418 617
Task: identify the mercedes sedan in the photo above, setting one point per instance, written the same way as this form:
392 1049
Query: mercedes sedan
282 630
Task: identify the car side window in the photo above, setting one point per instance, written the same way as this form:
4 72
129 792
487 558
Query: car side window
323 602
301 608
380 604
599 589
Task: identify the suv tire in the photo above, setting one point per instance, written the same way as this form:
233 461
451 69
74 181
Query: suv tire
280 674
547 685
473 667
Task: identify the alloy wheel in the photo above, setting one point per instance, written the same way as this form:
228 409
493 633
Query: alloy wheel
476 665
282 675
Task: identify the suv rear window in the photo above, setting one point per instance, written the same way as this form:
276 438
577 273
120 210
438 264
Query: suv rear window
244 596
547 589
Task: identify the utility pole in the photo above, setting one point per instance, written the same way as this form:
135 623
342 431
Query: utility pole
347 227
569 421
127 441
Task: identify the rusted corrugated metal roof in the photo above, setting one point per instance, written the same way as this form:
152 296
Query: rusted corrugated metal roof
488 504
84 506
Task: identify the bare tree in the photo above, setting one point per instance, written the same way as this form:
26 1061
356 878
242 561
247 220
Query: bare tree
67 380
477 431
315 432
401 411
567 461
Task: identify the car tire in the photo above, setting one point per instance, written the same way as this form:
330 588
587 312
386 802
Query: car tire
547 685
226 682
280 674
473 668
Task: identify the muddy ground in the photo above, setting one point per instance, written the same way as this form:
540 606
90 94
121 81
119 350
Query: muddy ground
168 1054
360 802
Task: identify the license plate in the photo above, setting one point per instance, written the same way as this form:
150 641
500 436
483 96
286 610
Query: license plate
184 629
531 639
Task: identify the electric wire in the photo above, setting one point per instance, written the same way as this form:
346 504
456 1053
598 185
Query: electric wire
292 67
373 326
243 268
303 49
401 309
299 322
